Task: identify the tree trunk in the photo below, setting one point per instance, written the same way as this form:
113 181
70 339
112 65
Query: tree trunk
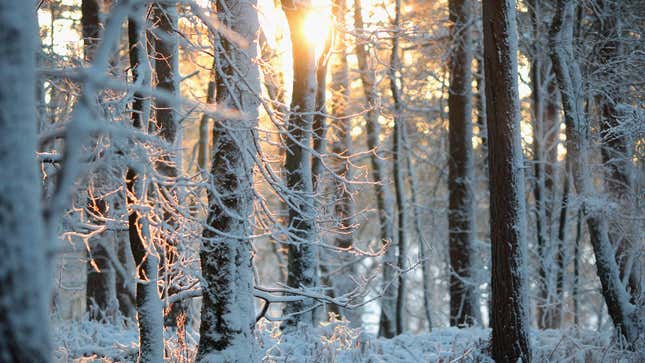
397 161
342 147
167 125
387 320
302 264
24 276
228 311
510 323
464 307
545 138
577 130
576 270
101 279
320 118
203 151
146 257
423 245
616 149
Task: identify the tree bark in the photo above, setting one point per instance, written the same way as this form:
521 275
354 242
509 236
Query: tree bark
144 251
302 261
228 310
510 339
24 275
464 307
397 161
100 288
320 118
167 125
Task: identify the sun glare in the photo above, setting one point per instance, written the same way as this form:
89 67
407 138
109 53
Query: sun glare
316 27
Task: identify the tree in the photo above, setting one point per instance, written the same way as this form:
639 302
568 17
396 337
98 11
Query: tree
568 73
167 123
145 253
616 148
24 317
397 163
228 311
302 261
510 340
464 307
101 279
384 201
342 148
546 130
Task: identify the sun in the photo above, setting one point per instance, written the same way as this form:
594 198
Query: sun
316 26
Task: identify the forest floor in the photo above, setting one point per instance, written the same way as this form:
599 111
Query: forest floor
85 341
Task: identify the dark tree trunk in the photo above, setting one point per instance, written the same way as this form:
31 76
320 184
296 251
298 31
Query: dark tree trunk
320 118
510 323
144 252
302 265
397 161
166 116
24 275
101 279
464 307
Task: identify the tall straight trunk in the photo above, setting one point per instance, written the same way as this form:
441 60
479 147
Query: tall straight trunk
576 271
146 257
228 311
319 125
24 330
166 117
543 313
397 161
167 72
616 148
203 143
464 307
101 279
319 144
545 118
423 245
342 144
387 320
545 138
577 129
302 262
510 323
560 251
274 81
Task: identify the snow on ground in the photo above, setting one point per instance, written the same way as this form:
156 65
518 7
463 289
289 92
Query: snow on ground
335 341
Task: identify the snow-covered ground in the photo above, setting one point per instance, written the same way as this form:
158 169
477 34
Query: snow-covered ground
84 341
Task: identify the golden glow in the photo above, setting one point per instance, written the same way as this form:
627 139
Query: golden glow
64 38
317 26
